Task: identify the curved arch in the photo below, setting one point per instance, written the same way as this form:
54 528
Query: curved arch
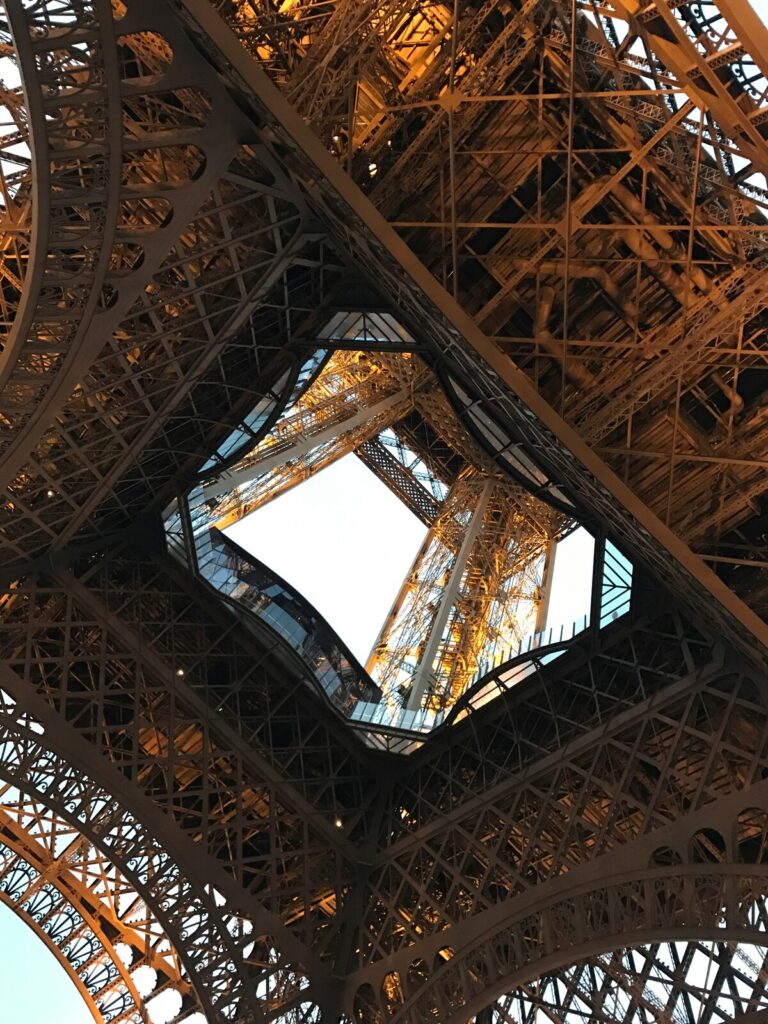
212 943
83 923
709 981
289 379
55 309
723 902
509 454
80 326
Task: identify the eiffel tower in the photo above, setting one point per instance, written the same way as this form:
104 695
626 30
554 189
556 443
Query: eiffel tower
512 254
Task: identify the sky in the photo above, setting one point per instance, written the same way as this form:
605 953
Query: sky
571 579
34 989
344 541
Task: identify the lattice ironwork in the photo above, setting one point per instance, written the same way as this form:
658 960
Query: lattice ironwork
87 913
476 585
558 211
399 475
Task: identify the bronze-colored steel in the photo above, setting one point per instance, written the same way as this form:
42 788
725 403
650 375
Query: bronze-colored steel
475 586
530 239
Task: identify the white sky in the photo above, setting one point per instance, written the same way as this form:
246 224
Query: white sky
344 541
309 551
571 579
34 987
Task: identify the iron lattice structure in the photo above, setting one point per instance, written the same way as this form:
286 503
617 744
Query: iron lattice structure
555 211
477 584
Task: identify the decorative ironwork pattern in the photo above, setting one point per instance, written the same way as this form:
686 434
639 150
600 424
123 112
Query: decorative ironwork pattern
552 216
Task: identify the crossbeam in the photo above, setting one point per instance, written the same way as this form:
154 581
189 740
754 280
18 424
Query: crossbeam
360 229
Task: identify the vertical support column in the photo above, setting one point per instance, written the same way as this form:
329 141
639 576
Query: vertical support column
546 586
397 604
423 675
597 585
188 532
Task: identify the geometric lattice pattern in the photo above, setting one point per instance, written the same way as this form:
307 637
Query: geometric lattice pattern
677 981
564 207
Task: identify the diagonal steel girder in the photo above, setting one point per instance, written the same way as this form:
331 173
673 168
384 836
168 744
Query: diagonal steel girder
433 315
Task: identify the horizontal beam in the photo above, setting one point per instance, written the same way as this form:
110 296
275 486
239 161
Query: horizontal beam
365 233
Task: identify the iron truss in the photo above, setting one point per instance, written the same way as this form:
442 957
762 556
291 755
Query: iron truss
563 205
476 586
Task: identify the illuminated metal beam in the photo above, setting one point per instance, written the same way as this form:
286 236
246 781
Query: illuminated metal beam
424 676
303 444
421 298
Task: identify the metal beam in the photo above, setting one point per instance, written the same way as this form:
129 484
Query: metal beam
651 541
302 446
424 676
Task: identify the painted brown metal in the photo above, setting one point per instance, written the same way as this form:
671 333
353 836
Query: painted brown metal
558 202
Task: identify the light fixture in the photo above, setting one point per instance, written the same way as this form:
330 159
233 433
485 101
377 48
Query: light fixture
179 672
372 168
339 823
50 493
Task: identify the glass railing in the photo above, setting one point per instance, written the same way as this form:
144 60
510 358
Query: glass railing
529 655
538 649
254 587
550 637
248 432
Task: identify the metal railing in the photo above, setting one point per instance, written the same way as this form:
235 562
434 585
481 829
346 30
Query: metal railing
260 591
253 586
